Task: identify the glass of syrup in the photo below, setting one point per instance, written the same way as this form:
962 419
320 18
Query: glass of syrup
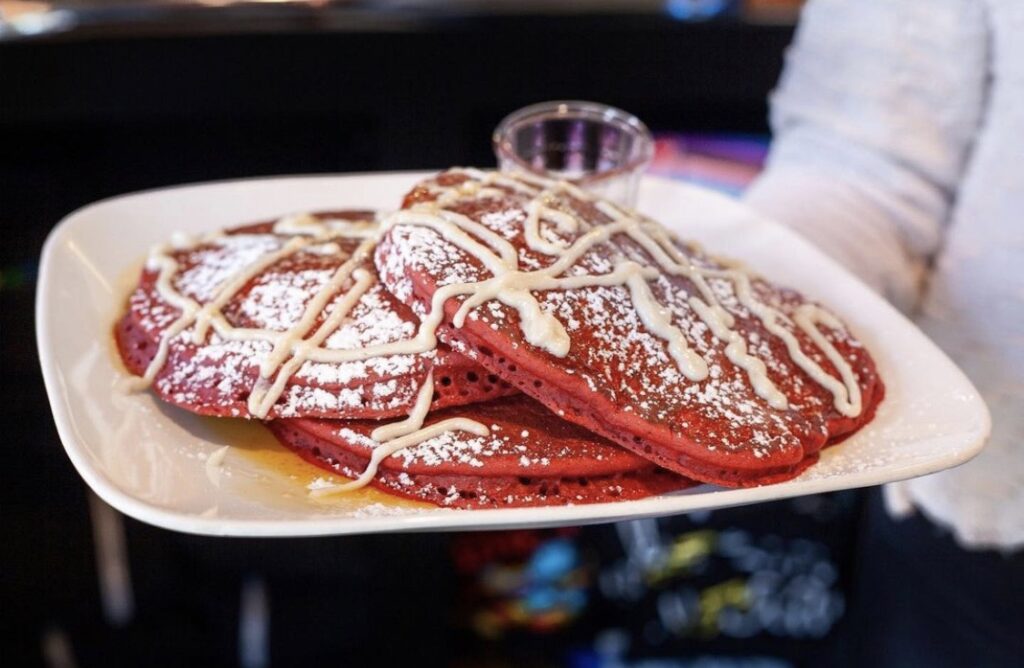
599 148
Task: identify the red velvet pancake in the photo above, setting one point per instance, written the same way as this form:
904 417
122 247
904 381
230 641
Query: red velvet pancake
641 361
529 458
217 375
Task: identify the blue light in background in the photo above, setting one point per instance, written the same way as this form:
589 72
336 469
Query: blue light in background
695 10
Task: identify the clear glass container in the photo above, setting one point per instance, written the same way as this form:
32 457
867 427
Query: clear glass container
599 148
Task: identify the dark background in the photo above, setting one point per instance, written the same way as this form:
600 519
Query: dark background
84 118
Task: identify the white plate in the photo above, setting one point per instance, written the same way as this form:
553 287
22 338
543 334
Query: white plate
152 462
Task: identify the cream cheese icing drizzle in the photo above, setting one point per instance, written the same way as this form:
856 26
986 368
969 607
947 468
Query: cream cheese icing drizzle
514 287
510 285
397 436
291 348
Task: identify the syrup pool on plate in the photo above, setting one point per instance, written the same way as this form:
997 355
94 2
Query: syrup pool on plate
267 467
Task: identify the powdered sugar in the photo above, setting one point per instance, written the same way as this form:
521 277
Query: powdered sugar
270 302
445 448
616 350
213 263
278 299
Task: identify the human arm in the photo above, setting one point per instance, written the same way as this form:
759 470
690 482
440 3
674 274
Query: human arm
873 123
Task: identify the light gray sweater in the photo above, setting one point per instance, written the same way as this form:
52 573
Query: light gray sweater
899 149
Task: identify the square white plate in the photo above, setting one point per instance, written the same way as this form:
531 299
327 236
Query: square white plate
154 462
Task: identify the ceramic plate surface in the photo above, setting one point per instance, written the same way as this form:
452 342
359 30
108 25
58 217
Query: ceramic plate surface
157 464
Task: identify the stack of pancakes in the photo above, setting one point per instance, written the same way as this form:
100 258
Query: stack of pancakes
501 340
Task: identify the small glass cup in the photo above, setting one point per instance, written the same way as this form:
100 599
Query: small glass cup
599 148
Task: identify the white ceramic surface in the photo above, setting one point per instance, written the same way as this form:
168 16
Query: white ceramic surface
151 461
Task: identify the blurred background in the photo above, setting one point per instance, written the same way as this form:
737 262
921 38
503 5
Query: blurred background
103 97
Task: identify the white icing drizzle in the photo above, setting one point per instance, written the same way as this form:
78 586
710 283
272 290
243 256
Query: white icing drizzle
293 347
509 285
214 462
304 224
298 349
397 436
807 318
210 313
414 420
515 288
535 212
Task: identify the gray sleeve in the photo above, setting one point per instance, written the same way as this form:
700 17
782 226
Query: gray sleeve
873 121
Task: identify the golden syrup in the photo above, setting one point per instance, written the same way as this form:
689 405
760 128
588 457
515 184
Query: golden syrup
281 469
